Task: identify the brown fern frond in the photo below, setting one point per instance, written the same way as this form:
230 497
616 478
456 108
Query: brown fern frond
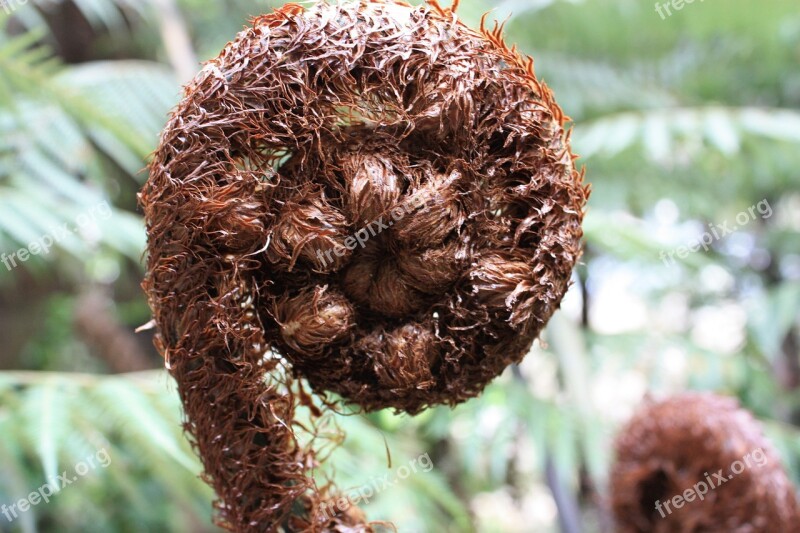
312 174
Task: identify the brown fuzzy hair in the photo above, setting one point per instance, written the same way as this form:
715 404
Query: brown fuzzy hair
672 445
370 195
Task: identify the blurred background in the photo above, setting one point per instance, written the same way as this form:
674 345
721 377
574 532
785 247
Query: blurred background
688 123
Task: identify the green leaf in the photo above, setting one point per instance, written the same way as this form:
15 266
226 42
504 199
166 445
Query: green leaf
771 315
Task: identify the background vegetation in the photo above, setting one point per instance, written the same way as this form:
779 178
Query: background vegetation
682 122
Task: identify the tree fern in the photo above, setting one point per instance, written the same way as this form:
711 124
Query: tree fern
66 130
53 421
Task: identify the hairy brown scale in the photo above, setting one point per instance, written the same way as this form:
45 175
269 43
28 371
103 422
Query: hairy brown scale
433 143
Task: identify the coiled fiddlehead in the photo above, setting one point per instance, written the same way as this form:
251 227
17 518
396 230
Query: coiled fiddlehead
371 195
708 445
